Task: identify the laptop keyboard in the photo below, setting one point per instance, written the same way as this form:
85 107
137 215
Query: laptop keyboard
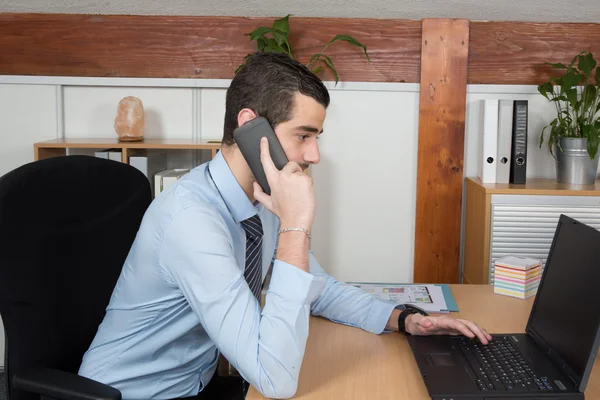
500 366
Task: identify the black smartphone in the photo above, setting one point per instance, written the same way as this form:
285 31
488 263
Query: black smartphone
248 138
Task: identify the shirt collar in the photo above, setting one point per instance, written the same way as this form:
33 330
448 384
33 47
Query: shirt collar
231 192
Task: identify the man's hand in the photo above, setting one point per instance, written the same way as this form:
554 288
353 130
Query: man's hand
417 324
292 197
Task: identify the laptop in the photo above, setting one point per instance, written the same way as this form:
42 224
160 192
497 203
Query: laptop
553 358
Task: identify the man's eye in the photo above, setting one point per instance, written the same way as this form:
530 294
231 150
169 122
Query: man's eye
303 137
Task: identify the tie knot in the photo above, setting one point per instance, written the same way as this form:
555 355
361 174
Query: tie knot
253 226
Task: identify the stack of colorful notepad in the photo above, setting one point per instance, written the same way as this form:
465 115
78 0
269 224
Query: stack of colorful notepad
517 276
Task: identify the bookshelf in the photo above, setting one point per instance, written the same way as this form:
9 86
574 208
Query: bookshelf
58 147
509 219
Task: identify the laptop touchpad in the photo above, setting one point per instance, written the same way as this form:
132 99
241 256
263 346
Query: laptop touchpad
439 359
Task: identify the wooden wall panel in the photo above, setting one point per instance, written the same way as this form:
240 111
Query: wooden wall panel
195 47
442 100
509 52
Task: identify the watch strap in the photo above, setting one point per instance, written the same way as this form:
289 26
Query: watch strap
408 309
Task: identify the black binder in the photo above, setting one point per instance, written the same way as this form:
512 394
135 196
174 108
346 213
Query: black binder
518 162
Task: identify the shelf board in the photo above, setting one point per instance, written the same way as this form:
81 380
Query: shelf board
149 143
537 186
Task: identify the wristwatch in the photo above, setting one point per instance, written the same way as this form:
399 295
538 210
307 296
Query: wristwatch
408 309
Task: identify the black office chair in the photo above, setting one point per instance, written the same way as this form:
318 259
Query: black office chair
66 226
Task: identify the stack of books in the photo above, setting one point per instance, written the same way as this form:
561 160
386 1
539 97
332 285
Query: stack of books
517 276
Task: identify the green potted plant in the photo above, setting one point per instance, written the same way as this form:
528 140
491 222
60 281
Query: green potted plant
275 39
574 135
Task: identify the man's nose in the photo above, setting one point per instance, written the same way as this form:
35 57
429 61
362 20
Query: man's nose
312 154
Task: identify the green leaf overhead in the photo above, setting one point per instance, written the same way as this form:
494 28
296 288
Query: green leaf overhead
282 25
275 39
260 31
352 41
327 61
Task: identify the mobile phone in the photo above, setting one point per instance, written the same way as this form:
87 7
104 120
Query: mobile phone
248 138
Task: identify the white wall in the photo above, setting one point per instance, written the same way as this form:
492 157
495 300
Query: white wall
365 186
28 114
90 112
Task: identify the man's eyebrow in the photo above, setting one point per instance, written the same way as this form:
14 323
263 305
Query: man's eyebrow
308 128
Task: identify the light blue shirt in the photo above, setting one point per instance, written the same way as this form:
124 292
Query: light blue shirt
182 297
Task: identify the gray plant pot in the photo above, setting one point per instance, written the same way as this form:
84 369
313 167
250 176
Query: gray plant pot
573 163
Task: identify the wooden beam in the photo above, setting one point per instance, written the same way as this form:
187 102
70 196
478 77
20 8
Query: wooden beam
444 53
196 47
510 52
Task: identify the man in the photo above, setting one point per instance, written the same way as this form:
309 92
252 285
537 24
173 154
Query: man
189 288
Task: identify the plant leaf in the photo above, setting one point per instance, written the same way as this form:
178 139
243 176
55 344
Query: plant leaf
261 43
588 96
569 80
282 25
269 45
317 70
280 37
559 98
575 59
542 135
598 77
327 61
557 81
593 140
572 97
587 63
557 65
314 57
260 31
546 88
272 47
352 41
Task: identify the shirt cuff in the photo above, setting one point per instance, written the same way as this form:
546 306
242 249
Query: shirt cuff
379 315
292 283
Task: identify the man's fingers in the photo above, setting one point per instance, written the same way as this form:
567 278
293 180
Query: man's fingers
265 158
446 325
441 324
449 332
291 167
480 333
261 196
457 325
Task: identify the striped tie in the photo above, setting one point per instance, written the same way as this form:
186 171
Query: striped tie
253 270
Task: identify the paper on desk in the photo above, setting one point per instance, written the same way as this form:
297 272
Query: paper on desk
431 298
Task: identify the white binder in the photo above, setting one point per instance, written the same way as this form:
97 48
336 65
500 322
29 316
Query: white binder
489 141
505 127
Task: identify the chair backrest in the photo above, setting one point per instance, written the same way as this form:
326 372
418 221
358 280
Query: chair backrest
66 227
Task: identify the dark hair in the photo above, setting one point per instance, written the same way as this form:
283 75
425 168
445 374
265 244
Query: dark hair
267 84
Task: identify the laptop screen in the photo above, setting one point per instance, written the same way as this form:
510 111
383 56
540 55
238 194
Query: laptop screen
566 312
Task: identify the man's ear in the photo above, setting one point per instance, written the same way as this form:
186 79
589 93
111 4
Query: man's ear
245 115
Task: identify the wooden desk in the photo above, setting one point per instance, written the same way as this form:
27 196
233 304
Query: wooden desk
347 363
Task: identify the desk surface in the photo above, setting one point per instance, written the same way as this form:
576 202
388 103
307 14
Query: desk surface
342 362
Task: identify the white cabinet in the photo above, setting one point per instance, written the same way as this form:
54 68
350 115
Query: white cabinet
503 219
524 225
